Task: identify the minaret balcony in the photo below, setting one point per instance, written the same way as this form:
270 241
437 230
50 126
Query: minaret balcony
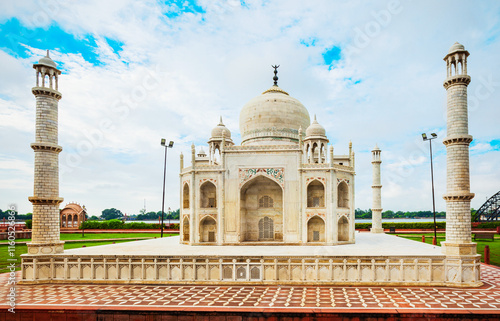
456 80
457 139
46 146
46 91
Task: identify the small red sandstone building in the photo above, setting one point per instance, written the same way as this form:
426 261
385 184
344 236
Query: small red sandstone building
72 215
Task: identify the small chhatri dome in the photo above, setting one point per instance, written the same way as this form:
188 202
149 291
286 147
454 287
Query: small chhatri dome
315 129
456 47
376 147
202 153
219 129
47 61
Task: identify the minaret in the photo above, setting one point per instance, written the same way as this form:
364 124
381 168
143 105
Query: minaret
458 195
45 230
377 193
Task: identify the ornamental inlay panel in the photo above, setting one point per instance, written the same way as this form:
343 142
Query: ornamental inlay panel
340 180
310 179
311 215
347 215
214 181
276 174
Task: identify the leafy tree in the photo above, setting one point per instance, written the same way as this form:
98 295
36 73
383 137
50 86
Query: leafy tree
111 213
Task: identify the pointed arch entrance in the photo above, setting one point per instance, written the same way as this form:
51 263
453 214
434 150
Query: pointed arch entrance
343 229
316 229
208 195
208 227
185 196
185 229
261 210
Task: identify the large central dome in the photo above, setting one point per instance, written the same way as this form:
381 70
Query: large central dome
274 117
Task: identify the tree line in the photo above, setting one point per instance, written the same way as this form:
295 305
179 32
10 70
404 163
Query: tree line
113 213
367 214
107 214
6 214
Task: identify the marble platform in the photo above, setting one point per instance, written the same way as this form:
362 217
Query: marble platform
379 259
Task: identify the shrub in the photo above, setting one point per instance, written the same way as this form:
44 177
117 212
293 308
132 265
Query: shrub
118 224
488 224
114 224
28 224
401 225
363 226
103 225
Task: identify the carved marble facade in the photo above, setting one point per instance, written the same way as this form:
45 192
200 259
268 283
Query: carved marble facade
280 186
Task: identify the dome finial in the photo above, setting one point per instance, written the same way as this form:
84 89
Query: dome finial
275 78
220 121
48 53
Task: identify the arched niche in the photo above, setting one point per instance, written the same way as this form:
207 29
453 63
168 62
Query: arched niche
343 229
261 197
185 230
315 194
208 195
316 229
343 195
208 228
185 196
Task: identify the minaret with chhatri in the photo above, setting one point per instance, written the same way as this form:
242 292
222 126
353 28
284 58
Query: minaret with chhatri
45 231
458 195
377 193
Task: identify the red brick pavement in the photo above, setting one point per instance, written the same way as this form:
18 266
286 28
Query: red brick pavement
263 299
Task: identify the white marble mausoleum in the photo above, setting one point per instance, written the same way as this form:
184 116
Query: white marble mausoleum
282 185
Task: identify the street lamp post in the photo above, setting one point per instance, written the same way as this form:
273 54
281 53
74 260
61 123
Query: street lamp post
170 145
83 221
168 215
424 137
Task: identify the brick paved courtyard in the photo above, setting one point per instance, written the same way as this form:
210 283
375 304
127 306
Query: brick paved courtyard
263 299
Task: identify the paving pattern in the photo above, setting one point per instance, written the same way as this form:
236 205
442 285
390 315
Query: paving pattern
261 298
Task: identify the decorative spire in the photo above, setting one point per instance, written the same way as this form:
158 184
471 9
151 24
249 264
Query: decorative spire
275 78
220 122
48 53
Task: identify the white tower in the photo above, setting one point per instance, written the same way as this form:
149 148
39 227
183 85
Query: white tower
45 232
377 192
458 195
463 262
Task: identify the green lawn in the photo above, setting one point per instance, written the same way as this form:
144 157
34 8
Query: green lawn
99 236
22 248
494 245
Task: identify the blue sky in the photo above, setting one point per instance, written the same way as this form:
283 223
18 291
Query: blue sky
137 71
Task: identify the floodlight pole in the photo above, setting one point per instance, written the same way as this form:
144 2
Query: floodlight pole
170 145
424 136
